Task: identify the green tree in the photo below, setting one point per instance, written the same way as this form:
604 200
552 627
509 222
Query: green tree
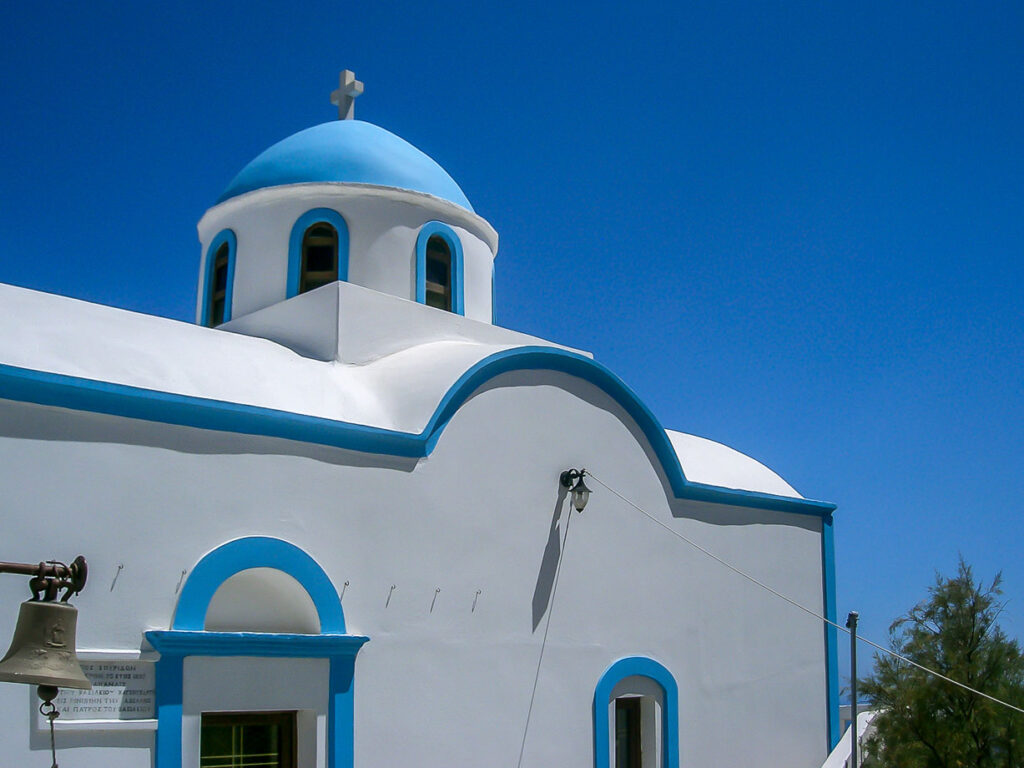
926 722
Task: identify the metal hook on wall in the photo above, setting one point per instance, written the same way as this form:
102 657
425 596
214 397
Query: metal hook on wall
343 588
473 609
388 601
437 590
120 567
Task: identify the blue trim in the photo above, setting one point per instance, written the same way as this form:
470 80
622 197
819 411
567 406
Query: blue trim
224 236
225 561
64 391
644 667
169 687
447 234
304 222
175 642
341 713
187 638
828 578
494 303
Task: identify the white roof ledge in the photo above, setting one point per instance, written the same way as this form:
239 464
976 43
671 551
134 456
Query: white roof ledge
705 461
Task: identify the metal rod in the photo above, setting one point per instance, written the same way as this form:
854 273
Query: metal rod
50 577
851 624
38 569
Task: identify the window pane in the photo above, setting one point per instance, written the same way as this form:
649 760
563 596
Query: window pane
437 299
218 287
627 733
319 258
220 277
248 740
438 274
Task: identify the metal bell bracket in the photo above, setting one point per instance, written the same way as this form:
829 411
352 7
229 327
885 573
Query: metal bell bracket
50 577
47 580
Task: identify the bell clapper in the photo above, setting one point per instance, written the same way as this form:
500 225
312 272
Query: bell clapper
49 710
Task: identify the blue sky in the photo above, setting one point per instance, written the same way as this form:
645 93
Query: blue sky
795 228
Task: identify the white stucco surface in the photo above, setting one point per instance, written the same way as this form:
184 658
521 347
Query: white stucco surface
383 224
388 361
705 461
455 681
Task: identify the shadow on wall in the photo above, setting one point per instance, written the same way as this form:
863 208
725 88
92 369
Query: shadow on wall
549 562
23 421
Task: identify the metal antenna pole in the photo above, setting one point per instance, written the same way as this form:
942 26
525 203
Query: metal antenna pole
851 624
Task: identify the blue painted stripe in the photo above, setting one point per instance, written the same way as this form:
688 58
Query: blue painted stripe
169 687
341 713
295 646
828 575
133 402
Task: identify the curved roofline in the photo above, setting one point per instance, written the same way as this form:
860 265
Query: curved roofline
65 391
346 150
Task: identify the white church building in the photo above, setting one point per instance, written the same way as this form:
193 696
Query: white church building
325 524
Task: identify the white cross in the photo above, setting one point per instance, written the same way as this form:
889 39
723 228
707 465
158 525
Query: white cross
345 96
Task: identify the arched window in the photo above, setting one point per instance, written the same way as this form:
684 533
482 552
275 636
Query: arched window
636 716
438 274
317 251
220 275
439 270
319 257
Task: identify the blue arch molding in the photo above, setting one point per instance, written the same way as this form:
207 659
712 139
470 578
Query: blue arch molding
644 667
224 236
304 222
225 561
64 391
446 233
187 638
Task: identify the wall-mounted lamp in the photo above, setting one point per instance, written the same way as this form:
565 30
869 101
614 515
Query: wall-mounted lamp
573 480
42 652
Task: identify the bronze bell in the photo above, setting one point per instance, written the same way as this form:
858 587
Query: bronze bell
43 649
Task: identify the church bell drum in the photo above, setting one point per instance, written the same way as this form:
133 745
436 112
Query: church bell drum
42 651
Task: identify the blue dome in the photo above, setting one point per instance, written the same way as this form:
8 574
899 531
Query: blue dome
347 151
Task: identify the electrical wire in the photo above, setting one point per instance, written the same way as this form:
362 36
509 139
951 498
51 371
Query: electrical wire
796 604
547 625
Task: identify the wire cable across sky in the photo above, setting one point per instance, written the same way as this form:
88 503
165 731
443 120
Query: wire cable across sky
793 602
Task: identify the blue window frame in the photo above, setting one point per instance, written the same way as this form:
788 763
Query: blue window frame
310 239
188 637
439 268
219 279
636 666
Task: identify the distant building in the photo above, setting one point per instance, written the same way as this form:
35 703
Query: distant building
325 524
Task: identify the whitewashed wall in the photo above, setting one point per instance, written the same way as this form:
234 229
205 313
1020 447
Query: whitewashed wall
448 687
383 224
